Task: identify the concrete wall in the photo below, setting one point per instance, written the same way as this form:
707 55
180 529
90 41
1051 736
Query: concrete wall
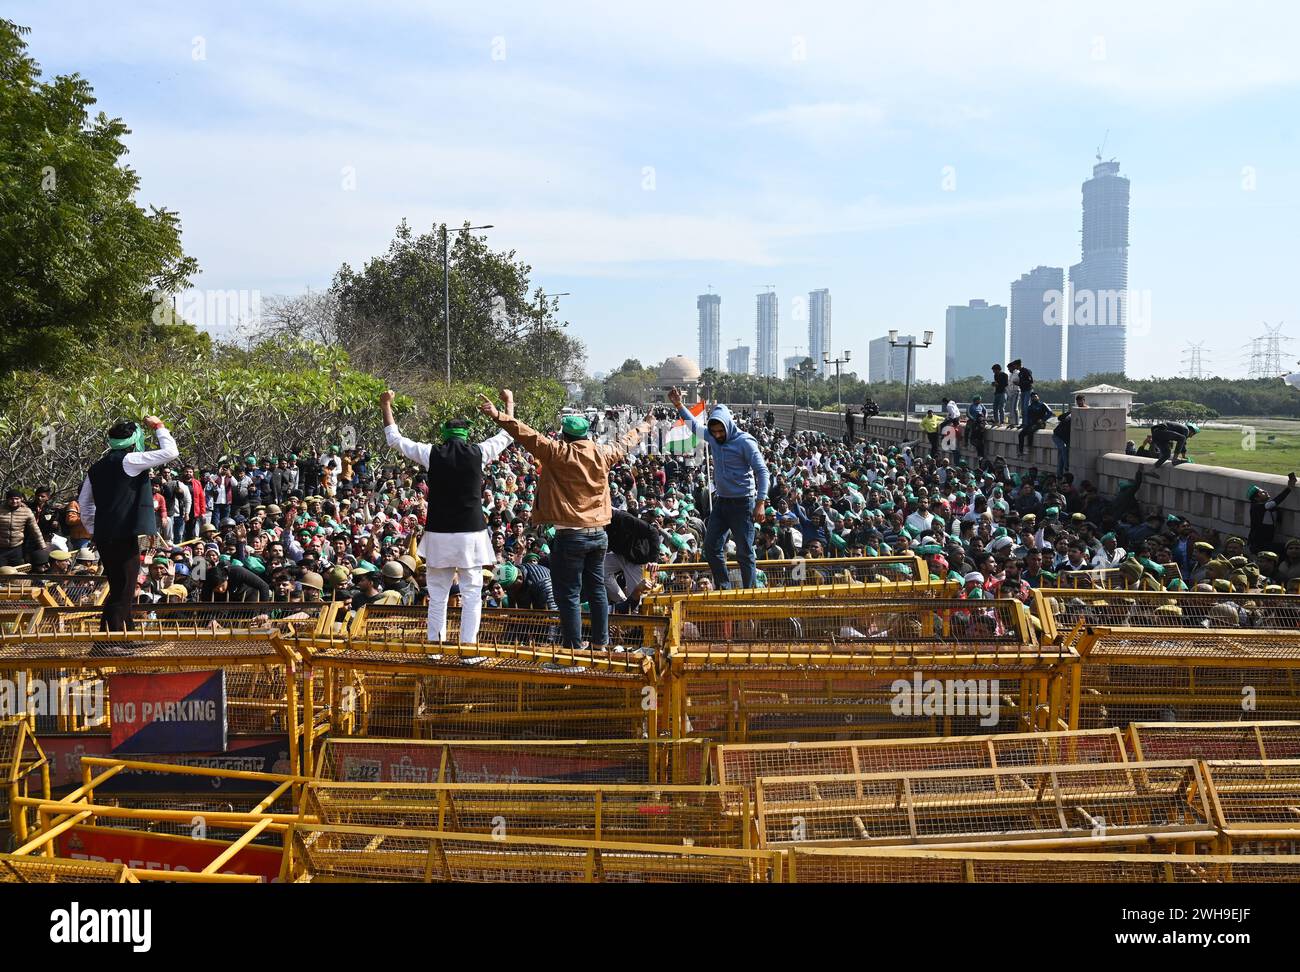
1100 433
1209 496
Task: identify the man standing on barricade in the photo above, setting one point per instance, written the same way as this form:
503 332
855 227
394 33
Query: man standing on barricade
573 496
117 509
456 539
740 480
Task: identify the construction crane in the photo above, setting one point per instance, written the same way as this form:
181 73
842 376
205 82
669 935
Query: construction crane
1102 146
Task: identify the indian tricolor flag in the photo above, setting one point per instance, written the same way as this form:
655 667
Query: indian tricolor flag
681 438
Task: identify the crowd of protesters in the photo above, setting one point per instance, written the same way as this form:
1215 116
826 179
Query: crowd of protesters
345 524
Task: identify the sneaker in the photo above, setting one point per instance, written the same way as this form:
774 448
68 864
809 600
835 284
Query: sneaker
558 667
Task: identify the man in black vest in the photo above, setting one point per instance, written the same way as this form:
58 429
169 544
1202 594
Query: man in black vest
117 508
456 539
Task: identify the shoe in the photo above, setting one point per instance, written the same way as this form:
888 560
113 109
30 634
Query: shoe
557 667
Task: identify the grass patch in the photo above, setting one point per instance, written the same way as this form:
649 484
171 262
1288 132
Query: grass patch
1231 448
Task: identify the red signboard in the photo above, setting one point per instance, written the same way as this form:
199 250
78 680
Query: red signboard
174 712
165 852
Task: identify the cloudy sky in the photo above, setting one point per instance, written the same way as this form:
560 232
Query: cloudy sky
907 156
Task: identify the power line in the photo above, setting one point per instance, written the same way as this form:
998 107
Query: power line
1192 360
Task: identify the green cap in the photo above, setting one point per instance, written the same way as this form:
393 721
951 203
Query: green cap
575 426
507 574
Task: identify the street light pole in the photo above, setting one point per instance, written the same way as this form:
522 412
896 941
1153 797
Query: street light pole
911 346
827 359
446 287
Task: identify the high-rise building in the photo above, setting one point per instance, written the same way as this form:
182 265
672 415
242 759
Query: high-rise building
1098 310
976 336
738 360
887 363
710 308
767 335
792 363
1037 321
819 327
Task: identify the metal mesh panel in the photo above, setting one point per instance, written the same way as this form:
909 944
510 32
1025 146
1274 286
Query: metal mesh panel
661 814
1170 691
47 870
856 625
471 703
822 865
743 764
1045 803
290 620
801 571
385 623
81 591
515 761
764 705
200 807
373 854
1256 795
1215 740
1243 646
20 758
1171 609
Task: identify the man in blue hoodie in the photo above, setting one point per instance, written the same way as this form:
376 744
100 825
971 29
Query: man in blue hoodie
740 482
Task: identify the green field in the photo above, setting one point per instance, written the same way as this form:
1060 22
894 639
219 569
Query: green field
1230 447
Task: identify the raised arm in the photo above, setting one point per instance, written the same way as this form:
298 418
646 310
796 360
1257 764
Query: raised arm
493 447
683 413
539 445
134 463
417 452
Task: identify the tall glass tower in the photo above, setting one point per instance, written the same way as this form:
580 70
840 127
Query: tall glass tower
710 308
1098 334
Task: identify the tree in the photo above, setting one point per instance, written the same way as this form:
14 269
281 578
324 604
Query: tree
1178 411
389 315
82 262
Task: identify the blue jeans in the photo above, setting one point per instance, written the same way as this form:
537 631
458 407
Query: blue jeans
1062 455
577 575
999 408
733 515
1024 401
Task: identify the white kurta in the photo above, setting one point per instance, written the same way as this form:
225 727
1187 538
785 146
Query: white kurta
451 549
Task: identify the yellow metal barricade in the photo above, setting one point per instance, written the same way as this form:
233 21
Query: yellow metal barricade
329 853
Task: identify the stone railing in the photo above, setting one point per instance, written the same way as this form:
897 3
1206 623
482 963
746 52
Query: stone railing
1209 496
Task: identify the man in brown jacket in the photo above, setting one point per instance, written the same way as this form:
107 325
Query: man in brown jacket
573 496
17 524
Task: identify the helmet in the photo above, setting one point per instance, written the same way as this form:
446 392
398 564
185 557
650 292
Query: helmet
313 580
339 575
227 522
393 570
87 556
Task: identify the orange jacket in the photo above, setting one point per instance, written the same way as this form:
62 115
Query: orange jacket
573 481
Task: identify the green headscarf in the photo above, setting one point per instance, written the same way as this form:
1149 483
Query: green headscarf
450 432
132 443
